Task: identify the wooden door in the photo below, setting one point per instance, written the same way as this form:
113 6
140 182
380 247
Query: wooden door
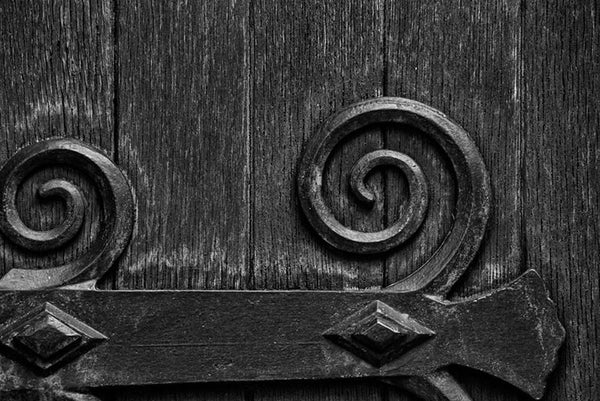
207 106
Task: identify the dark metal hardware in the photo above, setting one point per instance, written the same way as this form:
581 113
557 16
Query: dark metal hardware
55 327
473 202
221 336
117 200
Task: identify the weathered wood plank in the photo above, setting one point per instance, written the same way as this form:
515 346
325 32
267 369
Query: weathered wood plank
183 81
183 138
560 86
56 80
461 58
310 59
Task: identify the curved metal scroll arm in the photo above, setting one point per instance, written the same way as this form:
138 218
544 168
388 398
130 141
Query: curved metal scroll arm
436 386
451 259
117 207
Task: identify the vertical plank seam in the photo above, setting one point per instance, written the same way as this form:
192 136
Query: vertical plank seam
384 48
116 104
250 160
116 84
522 137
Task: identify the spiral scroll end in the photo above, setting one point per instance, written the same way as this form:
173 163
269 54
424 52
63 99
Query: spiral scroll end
450 259
117 211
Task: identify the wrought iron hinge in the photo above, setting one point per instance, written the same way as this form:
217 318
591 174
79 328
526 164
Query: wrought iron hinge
56 327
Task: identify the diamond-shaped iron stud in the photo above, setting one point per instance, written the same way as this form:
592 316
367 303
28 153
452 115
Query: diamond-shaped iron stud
378 333
47 338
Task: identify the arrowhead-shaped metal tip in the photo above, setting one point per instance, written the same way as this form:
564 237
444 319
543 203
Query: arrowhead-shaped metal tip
518 333
550 332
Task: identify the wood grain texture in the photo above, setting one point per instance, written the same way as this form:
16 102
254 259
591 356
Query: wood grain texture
560 86
56 80
309 59
183 140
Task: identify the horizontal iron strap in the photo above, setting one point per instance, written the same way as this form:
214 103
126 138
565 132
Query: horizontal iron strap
155 337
